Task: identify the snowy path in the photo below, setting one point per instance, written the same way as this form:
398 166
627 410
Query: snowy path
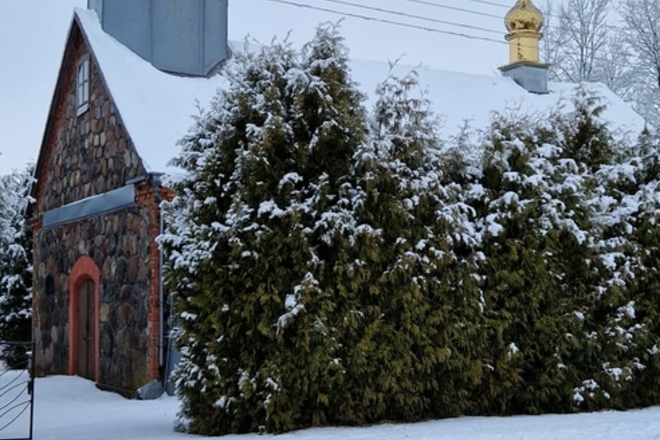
69 408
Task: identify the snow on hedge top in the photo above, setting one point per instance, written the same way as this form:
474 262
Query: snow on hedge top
157 107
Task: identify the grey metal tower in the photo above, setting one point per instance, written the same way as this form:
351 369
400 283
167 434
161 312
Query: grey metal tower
186 37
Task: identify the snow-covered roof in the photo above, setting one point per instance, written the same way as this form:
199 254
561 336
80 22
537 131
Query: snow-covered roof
156 107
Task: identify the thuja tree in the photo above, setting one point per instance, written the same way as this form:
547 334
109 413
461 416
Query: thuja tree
568 219
405 359
527 313
607 273
15 266
625 311
645 289
252 238
550 280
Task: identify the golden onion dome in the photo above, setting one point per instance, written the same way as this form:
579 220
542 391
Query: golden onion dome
524 16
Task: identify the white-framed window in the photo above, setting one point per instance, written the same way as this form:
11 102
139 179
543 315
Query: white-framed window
82 86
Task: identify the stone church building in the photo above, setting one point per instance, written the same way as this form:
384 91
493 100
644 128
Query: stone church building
100 310
132 74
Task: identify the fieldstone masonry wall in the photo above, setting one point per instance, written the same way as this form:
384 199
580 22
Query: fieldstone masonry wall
120 246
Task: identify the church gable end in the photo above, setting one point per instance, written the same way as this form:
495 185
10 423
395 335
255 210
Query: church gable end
86 150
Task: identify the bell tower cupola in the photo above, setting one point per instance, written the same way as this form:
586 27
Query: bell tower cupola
524 23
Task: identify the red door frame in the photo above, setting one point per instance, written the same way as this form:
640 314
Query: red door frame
84 269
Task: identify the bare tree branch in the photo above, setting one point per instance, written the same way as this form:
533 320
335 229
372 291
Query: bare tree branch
583 33
641 34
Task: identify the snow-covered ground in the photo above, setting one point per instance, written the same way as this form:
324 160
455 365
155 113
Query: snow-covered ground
69 408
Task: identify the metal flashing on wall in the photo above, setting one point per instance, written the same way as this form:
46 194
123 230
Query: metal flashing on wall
105 203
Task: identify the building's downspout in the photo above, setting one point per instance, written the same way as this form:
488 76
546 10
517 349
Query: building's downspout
155 178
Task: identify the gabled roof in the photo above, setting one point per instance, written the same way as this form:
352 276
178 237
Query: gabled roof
457 97
156 107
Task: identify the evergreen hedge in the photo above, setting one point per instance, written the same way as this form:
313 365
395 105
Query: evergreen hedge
337 266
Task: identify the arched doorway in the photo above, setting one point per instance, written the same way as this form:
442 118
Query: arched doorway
84 319
86 362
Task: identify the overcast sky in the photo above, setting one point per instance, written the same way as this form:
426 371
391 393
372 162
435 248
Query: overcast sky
33 33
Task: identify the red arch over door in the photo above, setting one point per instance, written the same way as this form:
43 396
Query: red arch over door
84 269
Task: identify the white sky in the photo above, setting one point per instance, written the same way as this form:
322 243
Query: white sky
33 33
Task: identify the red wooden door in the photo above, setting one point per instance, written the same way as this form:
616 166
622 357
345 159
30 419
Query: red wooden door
86 330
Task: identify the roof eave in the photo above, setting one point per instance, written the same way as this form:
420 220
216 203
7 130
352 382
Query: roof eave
68 47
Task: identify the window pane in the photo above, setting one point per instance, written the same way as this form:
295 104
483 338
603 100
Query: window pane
82 86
